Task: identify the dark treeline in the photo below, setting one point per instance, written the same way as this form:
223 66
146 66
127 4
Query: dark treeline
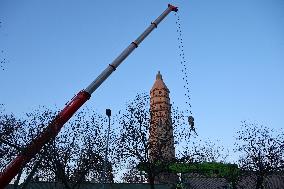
76 155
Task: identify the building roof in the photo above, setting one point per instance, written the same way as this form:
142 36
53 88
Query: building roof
197 181
159 83
89 185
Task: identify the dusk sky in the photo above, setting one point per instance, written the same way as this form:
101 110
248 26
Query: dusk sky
234 51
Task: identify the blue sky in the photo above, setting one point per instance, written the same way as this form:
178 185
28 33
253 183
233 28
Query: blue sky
234 50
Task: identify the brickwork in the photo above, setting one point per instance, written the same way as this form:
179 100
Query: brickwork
161 131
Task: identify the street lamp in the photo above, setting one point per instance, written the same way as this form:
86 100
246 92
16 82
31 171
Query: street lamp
108 113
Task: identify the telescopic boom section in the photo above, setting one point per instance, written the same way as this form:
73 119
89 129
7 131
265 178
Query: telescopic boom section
54 127
112 67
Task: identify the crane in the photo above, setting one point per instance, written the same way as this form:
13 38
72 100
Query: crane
76 102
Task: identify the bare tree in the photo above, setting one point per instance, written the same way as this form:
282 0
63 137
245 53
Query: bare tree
76 154
204 151
133 145
10 145
73 157
262 151
10 129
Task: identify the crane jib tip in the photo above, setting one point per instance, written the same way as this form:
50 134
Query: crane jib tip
173 8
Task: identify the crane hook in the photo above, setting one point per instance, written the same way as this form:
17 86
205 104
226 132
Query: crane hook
191 124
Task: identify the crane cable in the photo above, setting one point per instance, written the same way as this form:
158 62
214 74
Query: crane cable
185 72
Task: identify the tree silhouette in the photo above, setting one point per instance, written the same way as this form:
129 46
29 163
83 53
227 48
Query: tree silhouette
73 157
133 145
262 151
10 132
204 151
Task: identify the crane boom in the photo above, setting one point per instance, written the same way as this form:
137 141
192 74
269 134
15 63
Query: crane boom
54 127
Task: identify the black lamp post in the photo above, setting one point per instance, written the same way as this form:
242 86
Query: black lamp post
108 113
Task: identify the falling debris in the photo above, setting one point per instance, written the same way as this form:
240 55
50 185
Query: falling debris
3 61
191 124
185 72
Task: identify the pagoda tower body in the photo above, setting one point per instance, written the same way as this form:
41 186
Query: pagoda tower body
161 131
